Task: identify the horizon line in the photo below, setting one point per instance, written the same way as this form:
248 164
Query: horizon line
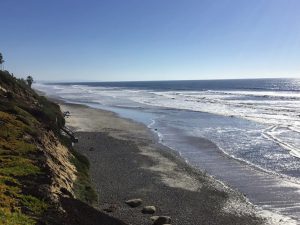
116 81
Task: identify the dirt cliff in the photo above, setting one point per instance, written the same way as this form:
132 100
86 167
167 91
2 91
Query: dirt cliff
42 179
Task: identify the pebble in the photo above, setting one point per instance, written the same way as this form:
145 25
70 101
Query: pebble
161 220
134 202
110 209
153 218
149 210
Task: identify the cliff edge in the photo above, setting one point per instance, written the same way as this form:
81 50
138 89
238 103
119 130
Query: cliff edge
42 179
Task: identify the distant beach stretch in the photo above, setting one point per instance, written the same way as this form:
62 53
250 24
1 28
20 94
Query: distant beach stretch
243 132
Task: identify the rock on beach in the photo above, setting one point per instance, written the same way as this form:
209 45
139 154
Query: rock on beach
134 202
161 220
149 210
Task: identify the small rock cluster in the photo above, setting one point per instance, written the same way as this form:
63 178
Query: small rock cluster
157 220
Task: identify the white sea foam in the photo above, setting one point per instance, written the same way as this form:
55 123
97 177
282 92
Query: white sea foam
280 109
271 134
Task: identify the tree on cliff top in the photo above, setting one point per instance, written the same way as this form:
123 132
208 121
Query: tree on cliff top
29 80
1 61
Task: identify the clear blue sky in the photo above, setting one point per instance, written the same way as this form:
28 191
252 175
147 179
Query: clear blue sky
150 39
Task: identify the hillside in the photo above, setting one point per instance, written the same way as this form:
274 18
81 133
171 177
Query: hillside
42 179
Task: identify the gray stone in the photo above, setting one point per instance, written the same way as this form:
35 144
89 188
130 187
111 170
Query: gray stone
134 202
153 218
149 210
111 208
161 220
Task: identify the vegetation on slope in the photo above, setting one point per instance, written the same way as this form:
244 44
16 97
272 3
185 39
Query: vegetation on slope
25 119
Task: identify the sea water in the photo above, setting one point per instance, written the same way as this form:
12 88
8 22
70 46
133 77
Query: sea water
254 124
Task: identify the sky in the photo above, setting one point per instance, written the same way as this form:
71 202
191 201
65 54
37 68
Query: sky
129 40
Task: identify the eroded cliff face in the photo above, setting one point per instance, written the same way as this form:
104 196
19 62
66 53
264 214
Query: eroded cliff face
58 161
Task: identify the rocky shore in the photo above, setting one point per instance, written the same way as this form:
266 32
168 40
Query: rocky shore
127 163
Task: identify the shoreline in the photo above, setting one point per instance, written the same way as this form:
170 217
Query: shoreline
274 197
147 138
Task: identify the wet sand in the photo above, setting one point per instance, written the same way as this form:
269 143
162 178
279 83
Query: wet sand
127 162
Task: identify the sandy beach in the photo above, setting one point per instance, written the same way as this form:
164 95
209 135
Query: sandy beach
127 162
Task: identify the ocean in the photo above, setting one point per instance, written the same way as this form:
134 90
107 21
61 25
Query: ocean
254 126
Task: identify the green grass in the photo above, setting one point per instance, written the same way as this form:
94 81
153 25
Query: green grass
15 218
83 188
17 164
33 204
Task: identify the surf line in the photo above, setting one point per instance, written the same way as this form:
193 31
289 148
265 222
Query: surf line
269 134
